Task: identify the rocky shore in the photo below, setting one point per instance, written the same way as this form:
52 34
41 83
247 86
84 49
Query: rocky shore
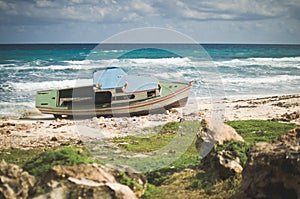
269 166
43 131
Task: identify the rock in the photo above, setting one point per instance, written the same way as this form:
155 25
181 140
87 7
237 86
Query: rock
65 189
224 164
172 151
273 170
220 135
230 161
136 176
92 172
207 138
12 126
85 182
54 139
88 181
286 104
121 191
4 131
227 133
288 117
101 121
14 182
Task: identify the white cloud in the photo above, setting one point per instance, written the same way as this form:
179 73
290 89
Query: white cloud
46 4
76 1
142 7
204 19
224 10
118 11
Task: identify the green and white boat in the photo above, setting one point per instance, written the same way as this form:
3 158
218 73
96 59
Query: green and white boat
114 93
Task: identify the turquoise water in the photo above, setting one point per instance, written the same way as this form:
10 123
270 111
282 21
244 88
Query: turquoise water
238 70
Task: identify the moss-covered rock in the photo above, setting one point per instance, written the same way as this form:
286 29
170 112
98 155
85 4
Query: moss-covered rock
93 181
15 183
63 156
273 169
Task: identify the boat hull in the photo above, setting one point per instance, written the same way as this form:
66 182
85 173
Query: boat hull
177 98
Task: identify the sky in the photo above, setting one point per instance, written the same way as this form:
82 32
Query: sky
206 21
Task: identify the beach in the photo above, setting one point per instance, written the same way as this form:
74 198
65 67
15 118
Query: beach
43 131
231 82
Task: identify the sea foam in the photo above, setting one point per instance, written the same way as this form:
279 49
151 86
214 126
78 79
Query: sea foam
47 85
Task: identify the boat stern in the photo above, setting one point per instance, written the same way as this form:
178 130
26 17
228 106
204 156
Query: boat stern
46 99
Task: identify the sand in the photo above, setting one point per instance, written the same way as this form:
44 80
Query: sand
43 131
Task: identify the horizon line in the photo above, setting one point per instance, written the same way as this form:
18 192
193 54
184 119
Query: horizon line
123 43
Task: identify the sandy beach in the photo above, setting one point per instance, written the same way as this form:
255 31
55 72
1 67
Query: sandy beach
43 131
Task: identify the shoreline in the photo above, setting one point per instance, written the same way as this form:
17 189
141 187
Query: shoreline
43 131
28 108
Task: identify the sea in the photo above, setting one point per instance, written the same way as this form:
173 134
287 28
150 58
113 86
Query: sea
217 70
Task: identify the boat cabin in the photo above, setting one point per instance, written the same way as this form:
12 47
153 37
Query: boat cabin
112 86
123 87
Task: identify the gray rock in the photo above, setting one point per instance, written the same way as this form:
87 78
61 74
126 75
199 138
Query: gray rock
136 176
229 161
14 182
88 181
224 164
121 191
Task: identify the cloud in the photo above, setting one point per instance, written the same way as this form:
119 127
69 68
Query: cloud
203 17
219 10
46 4
3 5
112 11
141 6
90 11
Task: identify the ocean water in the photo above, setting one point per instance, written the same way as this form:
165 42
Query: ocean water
232 71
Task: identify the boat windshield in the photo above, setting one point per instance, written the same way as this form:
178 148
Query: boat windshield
111 78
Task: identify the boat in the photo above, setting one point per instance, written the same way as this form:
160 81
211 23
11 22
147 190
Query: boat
114 93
